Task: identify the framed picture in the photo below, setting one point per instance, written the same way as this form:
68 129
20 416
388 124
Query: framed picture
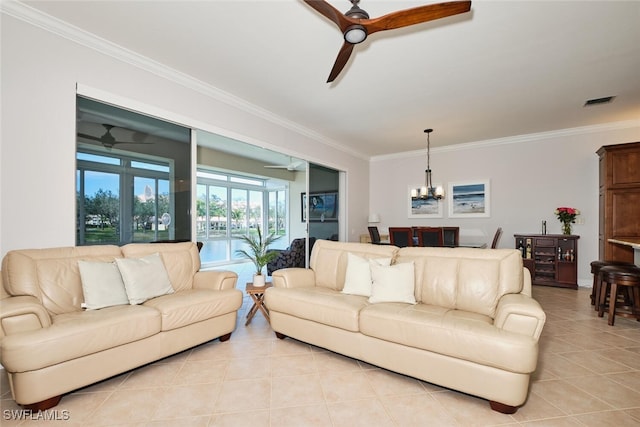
469 199
322 206
423 208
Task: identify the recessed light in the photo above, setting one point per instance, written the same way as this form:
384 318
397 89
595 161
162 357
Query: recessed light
596 101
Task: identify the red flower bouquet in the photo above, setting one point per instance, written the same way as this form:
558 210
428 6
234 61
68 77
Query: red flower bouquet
567 216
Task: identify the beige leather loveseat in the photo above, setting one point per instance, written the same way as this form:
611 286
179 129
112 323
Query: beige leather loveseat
460 318
50 344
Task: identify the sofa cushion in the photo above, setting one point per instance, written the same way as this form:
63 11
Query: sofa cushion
394 283
78 334
466 279
321 305
182 260
51 275
329 260
102 285
194 305
456 333
144 278
357 279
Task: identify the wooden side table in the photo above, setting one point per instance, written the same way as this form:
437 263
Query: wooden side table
257 295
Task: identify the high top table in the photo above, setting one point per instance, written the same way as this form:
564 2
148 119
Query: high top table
634 243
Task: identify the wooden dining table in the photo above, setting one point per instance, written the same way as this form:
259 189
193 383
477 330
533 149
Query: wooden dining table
461 245
468 245
477 245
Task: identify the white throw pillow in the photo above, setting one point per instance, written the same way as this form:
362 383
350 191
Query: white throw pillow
357 279
102 284
394 283
144 278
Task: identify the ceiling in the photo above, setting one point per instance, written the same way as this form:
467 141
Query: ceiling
504 69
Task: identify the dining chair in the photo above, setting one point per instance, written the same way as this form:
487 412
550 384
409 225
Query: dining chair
401 236
374 234
451 236
496 238
430 236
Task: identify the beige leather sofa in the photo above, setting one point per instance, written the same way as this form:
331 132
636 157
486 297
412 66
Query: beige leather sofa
474 326
50 345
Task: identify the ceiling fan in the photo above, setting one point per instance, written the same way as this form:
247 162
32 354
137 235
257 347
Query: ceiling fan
291 167
356 25
108 140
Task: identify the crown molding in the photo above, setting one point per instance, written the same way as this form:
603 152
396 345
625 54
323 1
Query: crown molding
63 29
518 139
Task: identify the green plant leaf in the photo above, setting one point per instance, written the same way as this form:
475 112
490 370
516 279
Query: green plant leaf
257 250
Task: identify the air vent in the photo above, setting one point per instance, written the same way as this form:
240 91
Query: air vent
597 101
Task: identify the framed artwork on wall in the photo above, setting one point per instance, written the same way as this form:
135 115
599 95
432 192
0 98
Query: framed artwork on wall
323 206
423 208
469 199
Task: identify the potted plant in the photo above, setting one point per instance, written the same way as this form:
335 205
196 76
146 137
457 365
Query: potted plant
257 252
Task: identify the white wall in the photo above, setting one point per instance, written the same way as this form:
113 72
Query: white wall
40 71
529 177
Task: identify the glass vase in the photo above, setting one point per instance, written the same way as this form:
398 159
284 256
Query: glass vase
566 228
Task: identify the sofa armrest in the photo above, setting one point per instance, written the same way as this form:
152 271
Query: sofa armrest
294 278
215 279
526 286
22 314
521 314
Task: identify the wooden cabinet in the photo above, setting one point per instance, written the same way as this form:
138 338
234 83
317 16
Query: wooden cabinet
552 259
619 199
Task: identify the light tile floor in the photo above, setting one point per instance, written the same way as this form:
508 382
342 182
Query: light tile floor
588 375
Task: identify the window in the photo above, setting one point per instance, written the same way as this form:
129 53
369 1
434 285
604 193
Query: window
229 206
132 179
112 216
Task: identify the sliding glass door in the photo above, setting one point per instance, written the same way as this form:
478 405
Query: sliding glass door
133 175
324 202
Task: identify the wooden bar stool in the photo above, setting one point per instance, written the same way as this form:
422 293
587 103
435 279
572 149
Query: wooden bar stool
597 283
614 279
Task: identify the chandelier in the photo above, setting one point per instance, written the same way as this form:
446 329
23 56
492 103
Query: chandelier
428 190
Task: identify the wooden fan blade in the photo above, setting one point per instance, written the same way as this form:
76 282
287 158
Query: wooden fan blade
331 13
109 143
341 61
416 15
130 142
85 136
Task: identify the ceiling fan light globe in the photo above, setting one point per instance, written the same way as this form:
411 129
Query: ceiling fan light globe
355 34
